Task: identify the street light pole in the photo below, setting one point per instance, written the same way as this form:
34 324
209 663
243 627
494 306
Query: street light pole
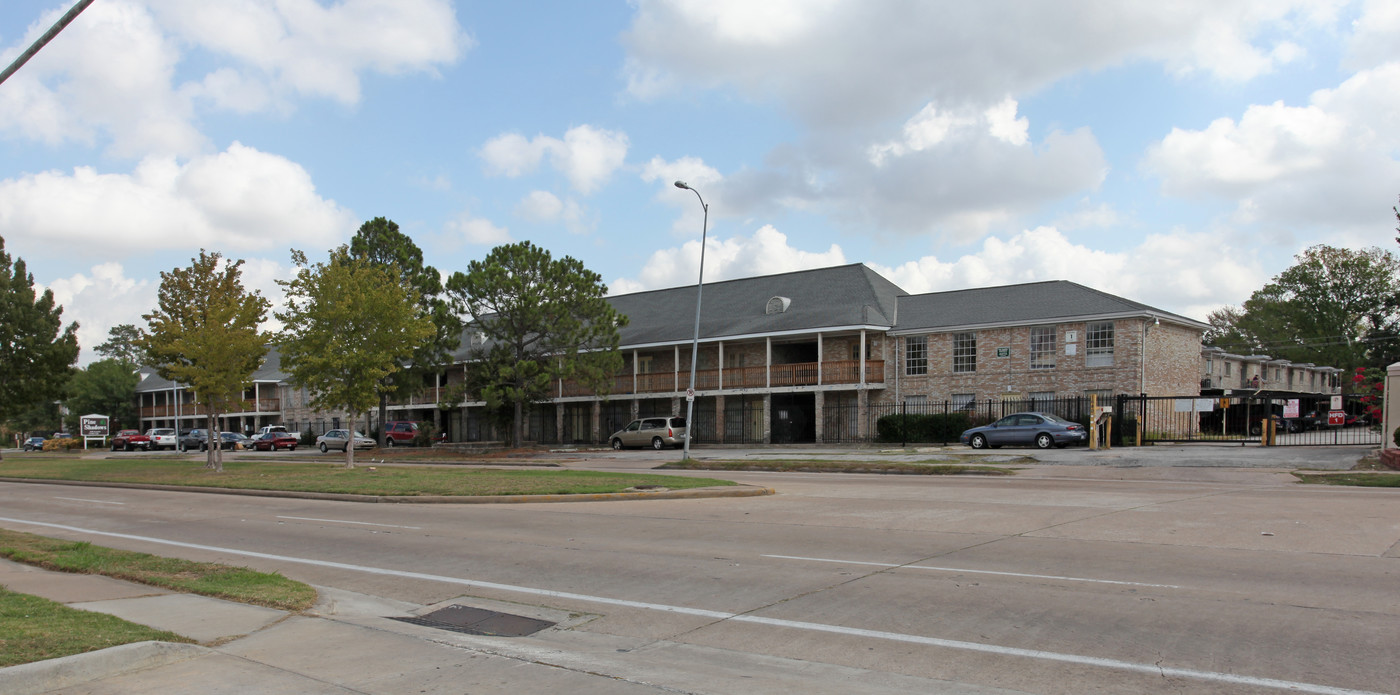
695 342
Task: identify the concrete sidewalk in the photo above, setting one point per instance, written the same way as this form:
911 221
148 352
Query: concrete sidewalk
350 644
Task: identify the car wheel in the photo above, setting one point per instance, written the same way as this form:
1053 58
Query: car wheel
114 447
389 442
203 446
617 444
129 447
1044 441
657 444
324 449
978 442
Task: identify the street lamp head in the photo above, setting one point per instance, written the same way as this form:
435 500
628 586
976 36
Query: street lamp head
682 184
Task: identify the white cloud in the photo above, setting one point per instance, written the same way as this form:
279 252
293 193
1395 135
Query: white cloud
543 206
1331 163
477 230
239 199
849 62
113 73
587 156
100 299
765 253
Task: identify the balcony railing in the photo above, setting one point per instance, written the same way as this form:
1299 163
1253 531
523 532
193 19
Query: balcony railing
260 405
799 374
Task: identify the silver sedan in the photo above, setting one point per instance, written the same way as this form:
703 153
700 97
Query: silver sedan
339 439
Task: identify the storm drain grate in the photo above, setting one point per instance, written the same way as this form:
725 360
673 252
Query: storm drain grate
477 621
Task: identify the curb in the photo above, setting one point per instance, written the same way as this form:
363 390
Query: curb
76 669
696 493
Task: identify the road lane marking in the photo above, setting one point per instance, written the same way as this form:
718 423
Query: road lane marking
968 571
80 499
1155 669
342 521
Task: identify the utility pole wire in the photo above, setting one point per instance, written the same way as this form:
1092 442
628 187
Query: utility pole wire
43 40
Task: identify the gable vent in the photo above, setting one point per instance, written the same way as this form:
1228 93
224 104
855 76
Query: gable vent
777 305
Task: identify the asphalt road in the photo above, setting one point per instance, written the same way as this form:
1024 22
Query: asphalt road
1096 572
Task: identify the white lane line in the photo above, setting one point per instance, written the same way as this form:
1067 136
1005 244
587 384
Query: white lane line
80 499
341 521
1149 669
968 571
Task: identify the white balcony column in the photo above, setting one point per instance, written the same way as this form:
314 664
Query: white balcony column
820 345
721 365
634 374
862 357
768 364
676 367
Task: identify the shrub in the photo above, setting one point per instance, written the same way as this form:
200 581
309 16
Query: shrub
922 428
424 435
1395 437
64 443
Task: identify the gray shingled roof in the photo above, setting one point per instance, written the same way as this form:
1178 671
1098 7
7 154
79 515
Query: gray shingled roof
1035 302
848 295
270 371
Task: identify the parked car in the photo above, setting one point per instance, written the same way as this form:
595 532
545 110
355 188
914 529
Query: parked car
272 441
234 440
162 438
1043 430
193 439
339 439
34 444
400 433
655 432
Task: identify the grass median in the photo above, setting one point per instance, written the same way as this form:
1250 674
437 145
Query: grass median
34 628
378 480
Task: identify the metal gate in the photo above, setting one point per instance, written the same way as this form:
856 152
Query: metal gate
1297 419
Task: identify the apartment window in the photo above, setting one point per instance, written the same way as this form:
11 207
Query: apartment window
1041 400
963 401
1227 369
1043 348
1098 345
644 363
1104 397
916 355
964 353
916 404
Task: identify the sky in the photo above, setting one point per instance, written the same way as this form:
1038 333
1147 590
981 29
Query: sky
1178 154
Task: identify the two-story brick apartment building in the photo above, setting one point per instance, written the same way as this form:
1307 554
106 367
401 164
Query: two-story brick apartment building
807 356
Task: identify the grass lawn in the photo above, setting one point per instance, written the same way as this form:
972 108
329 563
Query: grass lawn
334 477
35 629
935 467
1356 479
205 578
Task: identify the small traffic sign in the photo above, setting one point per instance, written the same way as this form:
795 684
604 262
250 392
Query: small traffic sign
690 394
1336 417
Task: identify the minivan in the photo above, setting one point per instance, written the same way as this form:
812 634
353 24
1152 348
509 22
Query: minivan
656 432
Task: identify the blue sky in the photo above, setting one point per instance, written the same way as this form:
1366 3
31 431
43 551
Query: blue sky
1178 154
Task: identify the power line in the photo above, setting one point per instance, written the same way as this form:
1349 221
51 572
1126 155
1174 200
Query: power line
58 26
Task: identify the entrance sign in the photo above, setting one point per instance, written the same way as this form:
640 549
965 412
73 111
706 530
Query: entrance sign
1336 417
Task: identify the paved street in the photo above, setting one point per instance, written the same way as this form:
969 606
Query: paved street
1088 572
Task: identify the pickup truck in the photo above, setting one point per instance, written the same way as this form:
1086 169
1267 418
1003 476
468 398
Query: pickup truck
130 440
281 429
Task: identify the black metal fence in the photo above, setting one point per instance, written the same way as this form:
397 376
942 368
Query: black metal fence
1298 420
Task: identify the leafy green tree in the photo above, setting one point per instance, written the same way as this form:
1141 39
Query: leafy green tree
204 334
122 344
1333 306
380 242
348 322
37 351
106 387
543 320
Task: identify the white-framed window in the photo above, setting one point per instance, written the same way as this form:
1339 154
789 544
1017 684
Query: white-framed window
1098 345
963 401
1041 400
644 364
916 404
964 353
1043 348
916 355
1105 396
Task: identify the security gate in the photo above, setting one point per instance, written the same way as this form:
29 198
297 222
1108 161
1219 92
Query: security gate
1297 420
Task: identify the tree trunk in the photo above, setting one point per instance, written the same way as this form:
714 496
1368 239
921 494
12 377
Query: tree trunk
383 416
350 443
211 462
518 431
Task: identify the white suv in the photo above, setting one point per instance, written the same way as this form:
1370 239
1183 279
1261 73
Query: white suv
163 438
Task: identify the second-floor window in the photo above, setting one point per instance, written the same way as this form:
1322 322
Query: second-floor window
964 353
1098 345
1043 348
916 355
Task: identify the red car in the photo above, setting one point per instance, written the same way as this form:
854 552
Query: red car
275 441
